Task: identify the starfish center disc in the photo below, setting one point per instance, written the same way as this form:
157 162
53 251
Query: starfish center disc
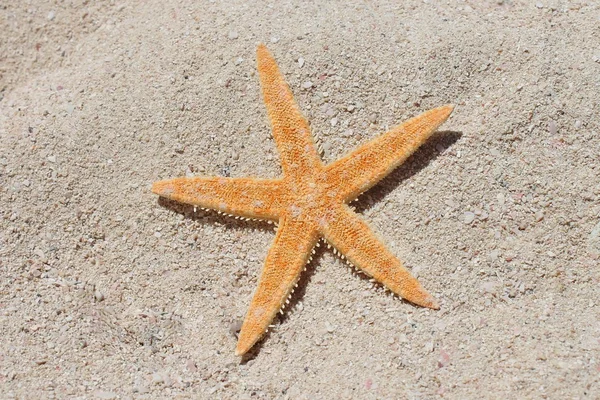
311 199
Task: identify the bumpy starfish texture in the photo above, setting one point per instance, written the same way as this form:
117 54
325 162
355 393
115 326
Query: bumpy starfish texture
310 202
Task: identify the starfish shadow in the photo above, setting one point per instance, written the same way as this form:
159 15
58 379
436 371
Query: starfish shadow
428 152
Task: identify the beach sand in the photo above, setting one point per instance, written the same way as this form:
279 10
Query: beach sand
109 293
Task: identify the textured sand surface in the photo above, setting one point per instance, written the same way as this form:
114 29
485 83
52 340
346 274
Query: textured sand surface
107 292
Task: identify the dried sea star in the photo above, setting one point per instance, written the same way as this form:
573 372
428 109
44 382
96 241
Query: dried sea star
310 202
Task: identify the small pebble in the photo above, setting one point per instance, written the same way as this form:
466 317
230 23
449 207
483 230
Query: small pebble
500 198
235 327
38 252
468 217
350 108
98 296
157 378
191 366
444 359
333 121
307 85
552 128
139 388
51 159
489 287
539 215
522 225
429 346
233 35
51 15
35 272
103 394
274 39
301 62
330 328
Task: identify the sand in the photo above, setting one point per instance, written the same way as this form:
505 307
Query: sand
109 293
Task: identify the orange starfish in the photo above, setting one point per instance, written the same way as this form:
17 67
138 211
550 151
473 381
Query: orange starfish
310 202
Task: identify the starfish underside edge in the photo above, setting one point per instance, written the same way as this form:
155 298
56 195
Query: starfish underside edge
310 202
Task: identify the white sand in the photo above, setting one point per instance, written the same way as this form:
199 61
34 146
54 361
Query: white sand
109 293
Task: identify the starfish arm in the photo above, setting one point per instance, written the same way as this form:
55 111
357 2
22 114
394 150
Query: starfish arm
353 238
290 129
287 258
245 197
368 164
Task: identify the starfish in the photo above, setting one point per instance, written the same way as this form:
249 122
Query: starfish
310 202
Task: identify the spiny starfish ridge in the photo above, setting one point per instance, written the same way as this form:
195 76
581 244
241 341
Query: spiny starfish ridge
310 202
